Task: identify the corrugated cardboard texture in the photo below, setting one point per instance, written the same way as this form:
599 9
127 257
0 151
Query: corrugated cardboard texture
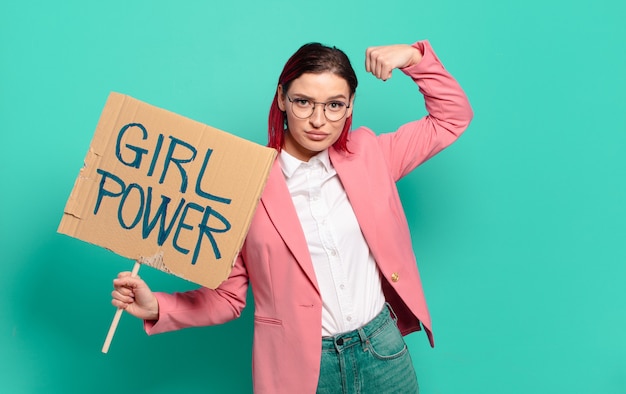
167 191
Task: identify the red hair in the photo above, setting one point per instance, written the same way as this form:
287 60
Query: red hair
310 58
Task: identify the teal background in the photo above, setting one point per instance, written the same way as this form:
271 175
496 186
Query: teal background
519 228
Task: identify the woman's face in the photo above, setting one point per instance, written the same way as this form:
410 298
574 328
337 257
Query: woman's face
307 137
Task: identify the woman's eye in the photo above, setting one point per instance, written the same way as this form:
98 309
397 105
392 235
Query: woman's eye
335 105
301 102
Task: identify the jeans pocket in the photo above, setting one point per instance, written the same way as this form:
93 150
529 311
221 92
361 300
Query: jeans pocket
387 344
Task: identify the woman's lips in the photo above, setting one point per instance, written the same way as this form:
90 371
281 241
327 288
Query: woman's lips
316 135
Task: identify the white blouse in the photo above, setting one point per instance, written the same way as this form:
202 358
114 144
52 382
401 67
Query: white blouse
346 272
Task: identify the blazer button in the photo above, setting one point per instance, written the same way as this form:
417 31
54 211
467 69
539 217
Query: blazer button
395 277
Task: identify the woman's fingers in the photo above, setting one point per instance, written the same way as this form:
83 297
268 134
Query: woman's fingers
132 294
382 60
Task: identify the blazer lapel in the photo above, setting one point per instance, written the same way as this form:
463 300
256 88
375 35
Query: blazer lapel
279 207
360 192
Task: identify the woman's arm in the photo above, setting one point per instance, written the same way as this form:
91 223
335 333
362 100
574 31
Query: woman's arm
164 312
449 114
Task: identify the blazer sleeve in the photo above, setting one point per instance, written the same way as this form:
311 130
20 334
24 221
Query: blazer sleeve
449 114
204 306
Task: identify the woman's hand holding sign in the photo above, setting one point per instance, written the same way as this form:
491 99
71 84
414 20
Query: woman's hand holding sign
133 295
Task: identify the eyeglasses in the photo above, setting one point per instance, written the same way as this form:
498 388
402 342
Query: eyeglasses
304 108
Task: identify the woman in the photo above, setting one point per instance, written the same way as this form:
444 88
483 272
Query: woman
328 254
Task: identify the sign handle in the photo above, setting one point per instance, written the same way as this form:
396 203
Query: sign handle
118 315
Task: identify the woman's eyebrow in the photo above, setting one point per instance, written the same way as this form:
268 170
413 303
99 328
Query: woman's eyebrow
304 96
338 96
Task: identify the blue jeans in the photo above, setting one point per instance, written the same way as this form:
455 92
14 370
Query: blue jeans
371 359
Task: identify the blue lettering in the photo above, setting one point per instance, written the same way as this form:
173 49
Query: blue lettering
106 193
160 214
178 161
199 190
139 212
183 225
136 162
208 231
157 150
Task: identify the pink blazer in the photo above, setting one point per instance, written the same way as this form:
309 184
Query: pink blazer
275 260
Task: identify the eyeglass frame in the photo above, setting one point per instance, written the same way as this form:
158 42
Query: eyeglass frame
347 106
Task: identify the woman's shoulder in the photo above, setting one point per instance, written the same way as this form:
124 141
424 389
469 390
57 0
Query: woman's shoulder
362 138
361 134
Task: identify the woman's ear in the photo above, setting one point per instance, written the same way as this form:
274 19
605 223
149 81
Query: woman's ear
280 98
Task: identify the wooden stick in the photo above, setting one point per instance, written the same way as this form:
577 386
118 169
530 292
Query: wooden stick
118 315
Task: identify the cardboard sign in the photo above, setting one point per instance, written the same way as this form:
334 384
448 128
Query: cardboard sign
167 191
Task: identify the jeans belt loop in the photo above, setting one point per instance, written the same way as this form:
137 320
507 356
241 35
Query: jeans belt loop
393 313
363 337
